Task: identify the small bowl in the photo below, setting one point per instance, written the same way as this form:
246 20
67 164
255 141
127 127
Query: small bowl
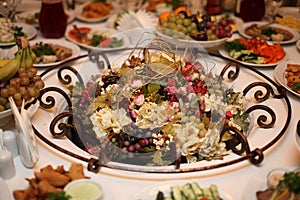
84 189
5 116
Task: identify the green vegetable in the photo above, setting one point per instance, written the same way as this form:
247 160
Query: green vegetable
43 49
291 180
58 196
160 196
296 87
268 31
18 31
96 39
235 45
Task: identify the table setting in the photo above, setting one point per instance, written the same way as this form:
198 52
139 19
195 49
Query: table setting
117 100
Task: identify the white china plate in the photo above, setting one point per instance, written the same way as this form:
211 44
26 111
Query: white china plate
291 11
79 16
75 50
29 30
298 45
107 32
4 192
243 26
2 54
24 15
258 182
225 54
279 73
149 193
195 43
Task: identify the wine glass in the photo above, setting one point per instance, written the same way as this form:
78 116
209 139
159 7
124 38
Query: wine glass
272 8
8 8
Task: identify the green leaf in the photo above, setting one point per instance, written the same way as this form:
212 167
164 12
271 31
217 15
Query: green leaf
58 196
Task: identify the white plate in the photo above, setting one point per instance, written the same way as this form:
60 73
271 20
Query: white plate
75 50
258 182
279 73
79 16
107 32
298 45
243 26
225 54
24 15
4 192
2 54
291 11
149 193
29 30
195 43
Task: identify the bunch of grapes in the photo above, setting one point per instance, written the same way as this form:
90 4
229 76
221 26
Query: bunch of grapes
199 28
26 84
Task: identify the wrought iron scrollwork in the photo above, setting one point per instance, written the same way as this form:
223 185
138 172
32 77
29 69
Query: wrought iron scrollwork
232 74
259 95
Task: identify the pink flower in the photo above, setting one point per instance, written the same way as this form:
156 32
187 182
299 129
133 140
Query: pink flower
174 105
188 78
187 68
229 114
133 114
190 88
182 90
172 90
171 82
139 100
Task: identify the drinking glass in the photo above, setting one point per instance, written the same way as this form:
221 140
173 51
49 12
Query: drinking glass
8 8
272 8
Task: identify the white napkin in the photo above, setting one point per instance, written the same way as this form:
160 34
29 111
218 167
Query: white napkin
26 137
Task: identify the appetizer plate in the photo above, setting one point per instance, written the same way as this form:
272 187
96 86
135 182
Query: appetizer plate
75 50
225 54
4 192
258 182
29 30
291 11
149 193
279 73
79 16
30 13
107 32
195 43
243 26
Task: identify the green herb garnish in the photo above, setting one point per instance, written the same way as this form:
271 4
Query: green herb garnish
268 31
296 87
18 31
291 181
43 49
58 196
235 45
96 39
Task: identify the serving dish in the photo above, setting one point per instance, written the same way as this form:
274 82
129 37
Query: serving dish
29 30
107 32
75 50
191 42
78 15
258 181
223 52
58 110
279 75
31 17
243 26
150 192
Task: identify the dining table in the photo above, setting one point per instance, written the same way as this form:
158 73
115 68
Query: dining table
238 180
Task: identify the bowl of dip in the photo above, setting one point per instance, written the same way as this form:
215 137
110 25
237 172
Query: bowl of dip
84 189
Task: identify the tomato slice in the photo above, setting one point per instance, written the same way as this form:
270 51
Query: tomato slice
75 35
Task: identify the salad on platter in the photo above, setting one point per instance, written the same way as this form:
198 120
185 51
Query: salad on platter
254 51
155 107
9 31
282 184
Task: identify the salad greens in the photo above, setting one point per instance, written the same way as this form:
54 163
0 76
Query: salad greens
58 196
268 31
235 45
43 49
291 180
18 31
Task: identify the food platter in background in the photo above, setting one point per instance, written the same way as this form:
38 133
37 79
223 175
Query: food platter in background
279 75
294 35
32 17
289 17
63 44
29 30
2 54
83 37
93 12
150 192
